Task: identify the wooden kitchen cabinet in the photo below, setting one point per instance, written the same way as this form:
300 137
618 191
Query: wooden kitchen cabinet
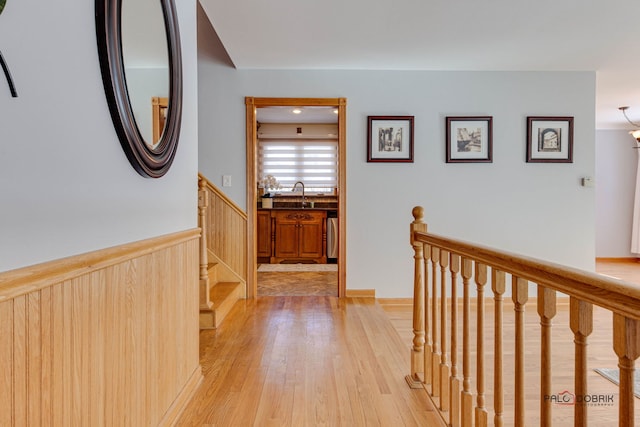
299 235
264 236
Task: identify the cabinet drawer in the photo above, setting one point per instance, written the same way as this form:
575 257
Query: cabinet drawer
299 216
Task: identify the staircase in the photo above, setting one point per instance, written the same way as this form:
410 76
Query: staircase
225 289
223 252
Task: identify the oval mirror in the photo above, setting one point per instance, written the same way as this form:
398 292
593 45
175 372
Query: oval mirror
139 50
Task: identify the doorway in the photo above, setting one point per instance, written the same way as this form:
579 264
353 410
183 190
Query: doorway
252 106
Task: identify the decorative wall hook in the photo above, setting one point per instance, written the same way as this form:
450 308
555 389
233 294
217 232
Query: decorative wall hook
7 74
5 67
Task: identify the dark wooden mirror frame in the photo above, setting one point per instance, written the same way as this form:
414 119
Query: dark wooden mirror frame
148 162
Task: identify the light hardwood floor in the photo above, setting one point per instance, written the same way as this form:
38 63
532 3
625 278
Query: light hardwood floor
311 361
306 361
620 268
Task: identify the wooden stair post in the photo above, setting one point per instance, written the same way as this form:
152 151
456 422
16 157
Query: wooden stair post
445 367
626 344
520 296
466 411
417 361
546 311
498 286
433 328
481 280
581 324
455 383
203 202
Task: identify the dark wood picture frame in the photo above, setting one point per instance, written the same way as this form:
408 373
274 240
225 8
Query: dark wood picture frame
465 144
549 139
390 139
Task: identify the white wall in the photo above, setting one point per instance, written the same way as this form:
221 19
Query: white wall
66 186
536 209
616 168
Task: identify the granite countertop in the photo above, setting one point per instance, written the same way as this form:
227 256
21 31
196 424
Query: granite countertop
289 208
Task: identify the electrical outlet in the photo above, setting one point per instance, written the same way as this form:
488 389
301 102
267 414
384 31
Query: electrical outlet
226 180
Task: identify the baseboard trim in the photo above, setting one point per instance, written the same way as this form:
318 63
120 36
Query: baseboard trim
396 301
618 259
361 293
184 397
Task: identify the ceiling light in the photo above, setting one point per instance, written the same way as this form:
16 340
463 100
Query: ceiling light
634 133
296 111
335 111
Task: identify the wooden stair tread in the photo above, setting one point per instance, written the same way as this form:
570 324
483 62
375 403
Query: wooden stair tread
224 291
223 296
221 291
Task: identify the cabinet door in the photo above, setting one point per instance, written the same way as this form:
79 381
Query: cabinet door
264 233
286 245
310 238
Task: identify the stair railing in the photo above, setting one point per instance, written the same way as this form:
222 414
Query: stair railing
442 363
226 228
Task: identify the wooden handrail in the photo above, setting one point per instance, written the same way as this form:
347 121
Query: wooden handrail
439 261
223 196
613 294
14 283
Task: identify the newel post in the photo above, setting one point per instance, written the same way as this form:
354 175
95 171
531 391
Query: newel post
417 349
203 203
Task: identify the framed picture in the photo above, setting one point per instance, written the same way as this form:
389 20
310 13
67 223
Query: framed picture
390 139
469 139
550 139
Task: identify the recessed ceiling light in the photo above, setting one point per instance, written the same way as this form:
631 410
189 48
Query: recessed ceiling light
335 111
296 111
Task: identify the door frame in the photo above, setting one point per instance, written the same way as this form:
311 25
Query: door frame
251 104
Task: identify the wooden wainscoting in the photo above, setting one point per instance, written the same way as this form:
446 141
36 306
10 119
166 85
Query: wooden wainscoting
104 338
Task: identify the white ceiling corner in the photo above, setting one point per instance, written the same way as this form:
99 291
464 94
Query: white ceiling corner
493 35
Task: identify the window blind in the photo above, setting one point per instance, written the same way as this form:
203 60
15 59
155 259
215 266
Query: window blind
314 162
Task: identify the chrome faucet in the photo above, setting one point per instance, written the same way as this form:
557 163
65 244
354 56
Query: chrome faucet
304 202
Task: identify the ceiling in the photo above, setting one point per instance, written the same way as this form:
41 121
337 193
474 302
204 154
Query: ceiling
491 35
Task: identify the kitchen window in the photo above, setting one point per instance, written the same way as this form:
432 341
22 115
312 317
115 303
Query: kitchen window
314 162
